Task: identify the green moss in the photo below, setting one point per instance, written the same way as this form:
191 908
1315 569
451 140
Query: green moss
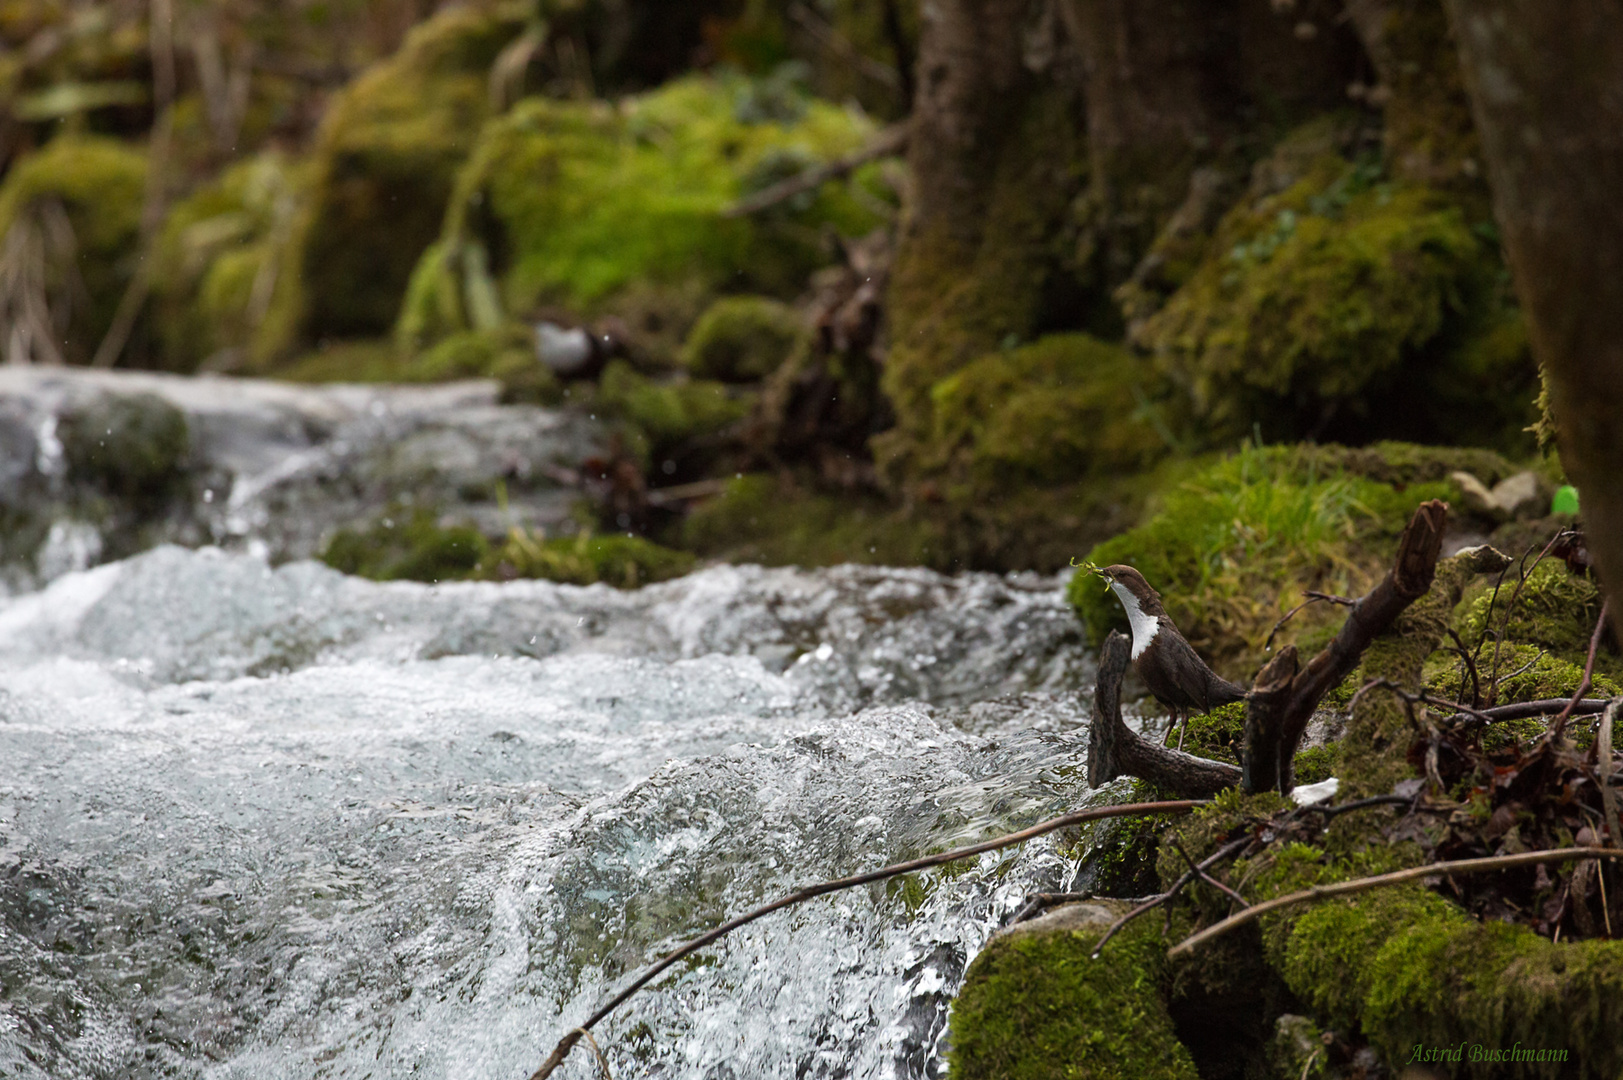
1410 969
1232 546
668 413
588 203
1064 407
1339 304
133 446
760 518
216 271
1036 1005
1555 610
742 338
411 545
416 545
385 163
585 559
99 185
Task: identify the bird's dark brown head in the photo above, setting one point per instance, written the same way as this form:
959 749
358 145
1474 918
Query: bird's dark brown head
1127 578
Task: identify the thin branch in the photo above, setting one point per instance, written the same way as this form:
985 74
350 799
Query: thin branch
1522 710
1470 666
1207 878
837 43
1038 901
1153 902
1177 806
1510 607
1559 724
890 141
1313 598
1398 877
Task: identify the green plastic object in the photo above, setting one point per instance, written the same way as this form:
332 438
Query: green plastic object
1565 501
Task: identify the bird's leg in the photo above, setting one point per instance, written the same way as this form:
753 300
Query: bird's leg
1172 722
1184 729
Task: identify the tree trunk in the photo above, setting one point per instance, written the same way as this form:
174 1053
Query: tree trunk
994 159
1546 87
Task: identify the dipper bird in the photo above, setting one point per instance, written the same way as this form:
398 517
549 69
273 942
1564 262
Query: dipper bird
1168 664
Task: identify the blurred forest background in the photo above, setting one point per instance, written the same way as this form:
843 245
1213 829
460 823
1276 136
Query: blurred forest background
977 286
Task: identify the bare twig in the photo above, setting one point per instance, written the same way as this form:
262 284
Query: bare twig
1151 903
1603 766
567 1043
1510 607
1267 646
1038 901
1470 665
1521 710
1398 877
840 45
1207 878
1559 724
890 141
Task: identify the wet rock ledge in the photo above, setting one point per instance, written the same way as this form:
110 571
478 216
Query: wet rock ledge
97 465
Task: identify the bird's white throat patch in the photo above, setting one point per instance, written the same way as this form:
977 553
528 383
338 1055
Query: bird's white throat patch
1145 627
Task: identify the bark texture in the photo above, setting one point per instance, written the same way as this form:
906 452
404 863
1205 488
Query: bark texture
1546 87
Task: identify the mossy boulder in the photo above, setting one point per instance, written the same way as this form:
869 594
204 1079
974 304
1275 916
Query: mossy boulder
217 268
1348 304
384 167
132 446
616 209
1410 969
407 545
1232 543
770 519
742 339
1036 1005
1554 610
668 413
1063 408
621 560
416 545
95 187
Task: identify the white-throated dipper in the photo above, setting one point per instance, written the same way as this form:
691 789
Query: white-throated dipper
1168 664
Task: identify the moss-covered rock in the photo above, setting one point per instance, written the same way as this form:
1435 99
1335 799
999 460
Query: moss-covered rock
415 544
1348 303
767 519
668 413
1064 408
620 560
1554 609
742 339
384 166
585 206
1410 969
407 544
217 260
1034 1004
132 446
1232 545
95 188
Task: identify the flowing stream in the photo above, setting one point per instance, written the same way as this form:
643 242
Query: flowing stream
277 822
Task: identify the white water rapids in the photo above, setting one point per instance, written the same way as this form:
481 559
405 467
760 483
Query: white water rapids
271 823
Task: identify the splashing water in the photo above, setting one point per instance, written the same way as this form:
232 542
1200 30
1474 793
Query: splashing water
263 822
